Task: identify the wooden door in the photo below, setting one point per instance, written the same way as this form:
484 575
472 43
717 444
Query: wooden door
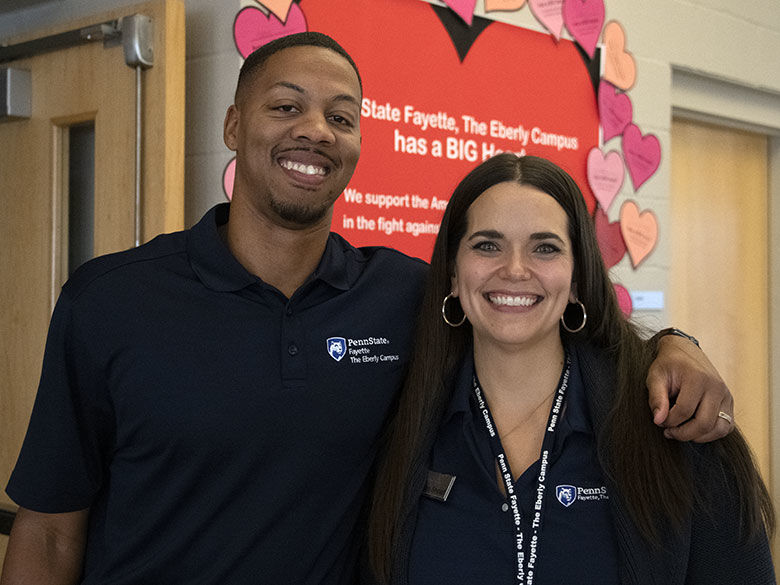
718 287
86 84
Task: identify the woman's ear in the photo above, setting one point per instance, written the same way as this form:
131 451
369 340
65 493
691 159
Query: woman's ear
573 293
454 284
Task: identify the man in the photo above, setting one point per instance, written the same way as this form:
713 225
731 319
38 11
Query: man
210 403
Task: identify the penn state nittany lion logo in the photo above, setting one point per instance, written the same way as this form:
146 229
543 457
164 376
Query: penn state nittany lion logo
337 347
566 494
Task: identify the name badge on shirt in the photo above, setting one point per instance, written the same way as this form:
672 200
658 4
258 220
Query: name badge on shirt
438 485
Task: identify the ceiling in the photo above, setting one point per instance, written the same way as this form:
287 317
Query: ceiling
12 5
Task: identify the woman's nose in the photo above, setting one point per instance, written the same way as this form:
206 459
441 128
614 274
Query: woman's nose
516 267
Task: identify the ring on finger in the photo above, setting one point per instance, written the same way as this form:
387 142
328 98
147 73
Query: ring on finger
726 416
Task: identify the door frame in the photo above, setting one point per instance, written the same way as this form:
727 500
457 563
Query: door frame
706 99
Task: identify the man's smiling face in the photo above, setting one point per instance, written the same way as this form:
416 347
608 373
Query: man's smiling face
295 129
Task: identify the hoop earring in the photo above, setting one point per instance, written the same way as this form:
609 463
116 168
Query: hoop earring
584 317
444 313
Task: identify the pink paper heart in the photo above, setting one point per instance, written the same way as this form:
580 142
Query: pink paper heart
584 19
624 299
550 14
605 175
615 110
640 231
463 8
642 154
619 65
252 28
610 239
228 178
280 8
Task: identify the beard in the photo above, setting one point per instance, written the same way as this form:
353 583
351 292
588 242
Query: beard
301 214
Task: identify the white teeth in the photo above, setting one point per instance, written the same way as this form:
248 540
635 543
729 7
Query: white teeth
524 301
302 168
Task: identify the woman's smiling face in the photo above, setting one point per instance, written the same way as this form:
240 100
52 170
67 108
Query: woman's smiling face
514 265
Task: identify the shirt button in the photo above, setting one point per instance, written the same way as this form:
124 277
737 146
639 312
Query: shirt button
504 507
292 349
289 311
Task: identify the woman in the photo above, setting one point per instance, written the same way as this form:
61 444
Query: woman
522 450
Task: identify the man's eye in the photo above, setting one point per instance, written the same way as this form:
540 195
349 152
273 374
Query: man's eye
285 108
341 120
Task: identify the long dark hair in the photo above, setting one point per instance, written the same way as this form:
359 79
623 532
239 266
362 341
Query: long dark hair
632 450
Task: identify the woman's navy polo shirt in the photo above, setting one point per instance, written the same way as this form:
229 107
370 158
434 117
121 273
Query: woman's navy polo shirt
470 537
219 432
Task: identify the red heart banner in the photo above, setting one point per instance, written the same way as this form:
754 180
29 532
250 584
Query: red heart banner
428 118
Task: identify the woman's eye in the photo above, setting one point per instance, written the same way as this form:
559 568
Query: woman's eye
547 248
486 246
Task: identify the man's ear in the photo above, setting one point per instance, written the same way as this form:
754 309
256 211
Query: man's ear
230 127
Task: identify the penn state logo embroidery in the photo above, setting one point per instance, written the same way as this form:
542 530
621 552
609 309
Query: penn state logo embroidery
337 347
566 494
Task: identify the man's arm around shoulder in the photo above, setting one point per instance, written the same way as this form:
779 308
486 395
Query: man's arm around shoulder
45 549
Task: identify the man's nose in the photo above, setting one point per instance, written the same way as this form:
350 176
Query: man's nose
314 126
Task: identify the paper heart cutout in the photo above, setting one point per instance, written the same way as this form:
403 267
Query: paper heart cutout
615 110
605 175
463 8
252 28
506 5
641 153
461 34
624 300
549 13
640 231
610 239
584 19
279 8
619 65
228 178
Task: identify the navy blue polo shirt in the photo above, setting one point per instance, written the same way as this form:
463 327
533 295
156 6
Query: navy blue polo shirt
470 537
218 431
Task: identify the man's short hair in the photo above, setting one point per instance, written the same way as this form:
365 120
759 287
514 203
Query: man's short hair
257 59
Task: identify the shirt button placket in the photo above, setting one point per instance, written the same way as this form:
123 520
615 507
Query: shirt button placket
293 363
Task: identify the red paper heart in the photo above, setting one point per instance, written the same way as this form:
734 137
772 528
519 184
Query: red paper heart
252 28
640 231
605 176
610 239
624 300
615 110
584 19
641 153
